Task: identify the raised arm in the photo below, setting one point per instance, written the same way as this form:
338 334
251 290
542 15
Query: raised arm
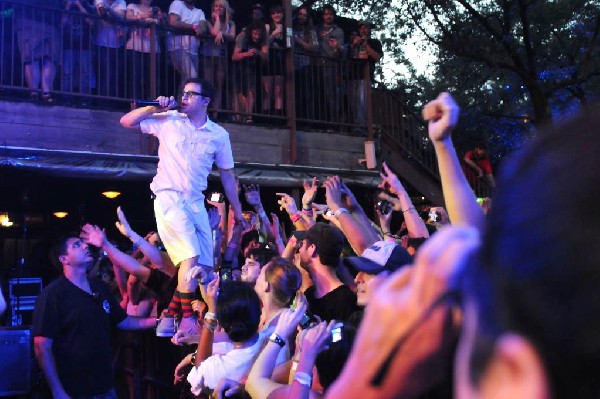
414 224
259 383
252 192
358 236
157 257
132 119
95 236
442 114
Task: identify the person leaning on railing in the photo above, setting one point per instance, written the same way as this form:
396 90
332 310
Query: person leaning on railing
39 44
183 48
139 45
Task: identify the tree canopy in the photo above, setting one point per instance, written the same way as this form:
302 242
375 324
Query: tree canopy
514 64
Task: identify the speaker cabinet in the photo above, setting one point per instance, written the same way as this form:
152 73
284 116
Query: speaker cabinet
15 361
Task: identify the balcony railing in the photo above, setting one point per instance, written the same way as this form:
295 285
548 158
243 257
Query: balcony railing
92 60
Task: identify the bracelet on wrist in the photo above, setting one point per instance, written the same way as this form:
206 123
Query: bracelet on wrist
303 378
412 208
276 339
340 211
296 217
210 316
193 358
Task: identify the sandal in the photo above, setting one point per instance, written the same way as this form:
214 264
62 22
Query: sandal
47 98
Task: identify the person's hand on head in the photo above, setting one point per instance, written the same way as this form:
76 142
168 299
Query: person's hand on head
442 114
310 191
94 235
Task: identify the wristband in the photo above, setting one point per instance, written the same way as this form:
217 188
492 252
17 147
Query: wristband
210 316
296 217
308 212
276 339
303 378
412 208
340 211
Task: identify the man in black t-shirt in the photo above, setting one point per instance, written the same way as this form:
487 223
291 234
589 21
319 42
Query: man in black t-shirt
319 254
71 326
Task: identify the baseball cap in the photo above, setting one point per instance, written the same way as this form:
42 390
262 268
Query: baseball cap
380 256
329 241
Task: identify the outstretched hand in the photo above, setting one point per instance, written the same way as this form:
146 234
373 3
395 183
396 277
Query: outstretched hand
289 319
252 192
442 114
389 181
310 191
123 225
288 203
93 235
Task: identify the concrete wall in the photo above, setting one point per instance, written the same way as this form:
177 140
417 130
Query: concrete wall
71 129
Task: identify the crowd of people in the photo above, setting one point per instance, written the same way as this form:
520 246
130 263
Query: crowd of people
106 48
495 301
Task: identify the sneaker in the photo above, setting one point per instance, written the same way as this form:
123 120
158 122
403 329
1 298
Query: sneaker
166 326
189 326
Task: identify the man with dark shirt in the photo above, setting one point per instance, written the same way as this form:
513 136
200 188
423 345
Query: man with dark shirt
319 254
363 50
71 327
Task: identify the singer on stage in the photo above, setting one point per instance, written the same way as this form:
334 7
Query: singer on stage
189 145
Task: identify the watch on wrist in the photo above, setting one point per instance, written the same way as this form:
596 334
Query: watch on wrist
277 340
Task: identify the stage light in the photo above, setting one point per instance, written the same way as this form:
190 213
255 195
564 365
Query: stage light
5 220
111 194
60 214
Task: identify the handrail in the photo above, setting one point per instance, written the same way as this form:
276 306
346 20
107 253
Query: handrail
328 93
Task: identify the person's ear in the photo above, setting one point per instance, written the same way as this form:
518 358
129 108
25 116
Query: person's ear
515 371
62 259
205 100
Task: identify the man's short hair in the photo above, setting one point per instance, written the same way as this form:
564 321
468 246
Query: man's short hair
60 249
262 255
207 89
328 7
329 241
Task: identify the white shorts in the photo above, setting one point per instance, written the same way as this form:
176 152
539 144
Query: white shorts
183 228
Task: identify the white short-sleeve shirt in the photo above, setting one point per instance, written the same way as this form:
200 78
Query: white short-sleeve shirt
186 154
189 16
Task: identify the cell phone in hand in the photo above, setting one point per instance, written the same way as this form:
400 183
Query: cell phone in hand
216 197
337 333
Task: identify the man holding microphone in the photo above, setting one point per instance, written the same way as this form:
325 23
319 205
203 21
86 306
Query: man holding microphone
189 145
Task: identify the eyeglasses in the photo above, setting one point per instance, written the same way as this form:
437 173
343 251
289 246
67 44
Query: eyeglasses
191 94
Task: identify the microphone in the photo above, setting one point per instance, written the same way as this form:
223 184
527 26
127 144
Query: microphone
143 103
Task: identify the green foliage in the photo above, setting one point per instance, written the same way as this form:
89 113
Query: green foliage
512 64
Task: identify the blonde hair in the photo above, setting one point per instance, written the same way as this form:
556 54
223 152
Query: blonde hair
228 10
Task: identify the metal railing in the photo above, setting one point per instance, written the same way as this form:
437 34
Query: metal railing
85 59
